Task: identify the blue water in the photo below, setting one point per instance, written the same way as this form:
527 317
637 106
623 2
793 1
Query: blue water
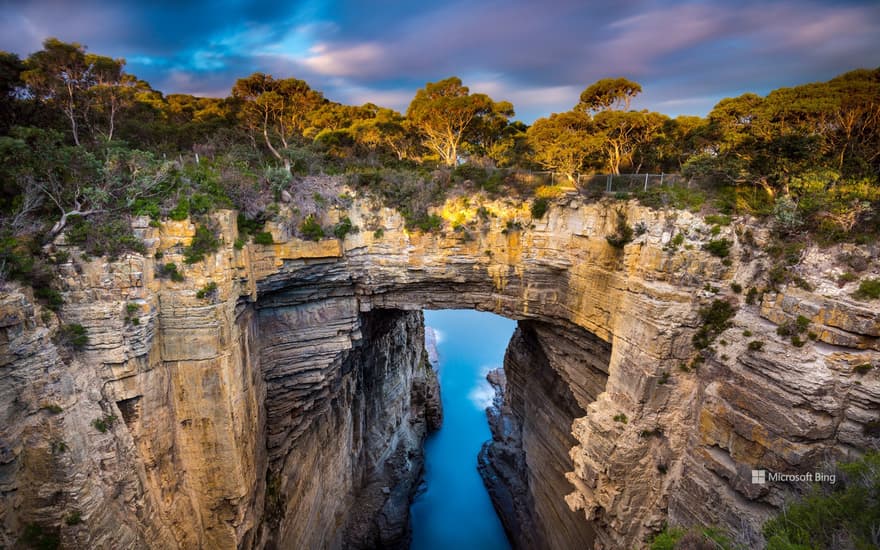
455 511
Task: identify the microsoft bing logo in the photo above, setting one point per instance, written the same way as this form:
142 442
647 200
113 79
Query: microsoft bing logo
759 477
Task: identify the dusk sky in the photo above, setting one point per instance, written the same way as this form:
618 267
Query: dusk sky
538 55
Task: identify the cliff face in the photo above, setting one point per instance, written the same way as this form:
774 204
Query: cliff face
286 408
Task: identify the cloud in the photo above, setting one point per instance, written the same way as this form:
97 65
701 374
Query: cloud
537 55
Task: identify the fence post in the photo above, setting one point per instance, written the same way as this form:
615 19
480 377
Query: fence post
646 181
608 184
661 179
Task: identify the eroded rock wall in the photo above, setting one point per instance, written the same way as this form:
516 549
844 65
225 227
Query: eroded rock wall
225 425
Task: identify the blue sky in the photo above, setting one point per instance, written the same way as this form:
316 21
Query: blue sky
538 55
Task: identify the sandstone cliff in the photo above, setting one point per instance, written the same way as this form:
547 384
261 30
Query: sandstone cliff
266 415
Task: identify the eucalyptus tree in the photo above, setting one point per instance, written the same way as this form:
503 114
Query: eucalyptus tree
444 111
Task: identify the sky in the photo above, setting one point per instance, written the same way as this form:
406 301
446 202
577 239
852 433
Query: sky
537 54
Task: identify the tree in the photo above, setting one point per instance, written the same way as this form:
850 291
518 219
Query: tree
563 142
277 109
110 90
59 74
386 129
608 94
622 132
11 68
485 133
443 112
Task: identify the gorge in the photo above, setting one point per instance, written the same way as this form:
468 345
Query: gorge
287 406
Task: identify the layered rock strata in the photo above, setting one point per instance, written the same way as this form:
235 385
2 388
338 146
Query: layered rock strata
229 426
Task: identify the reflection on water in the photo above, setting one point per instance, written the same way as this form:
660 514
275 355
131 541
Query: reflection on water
455 511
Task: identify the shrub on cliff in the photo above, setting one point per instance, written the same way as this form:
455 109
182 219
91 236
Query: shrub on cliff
843 515
624 232
311 229
869 289
203 242
74 335
715 319
539 208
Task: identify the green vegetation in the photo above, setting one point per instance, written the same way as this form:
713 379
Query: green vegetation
719 248
620 417
169 271
53 408
73 518
264 238
756 345
845 511
714 319
311 229
623 232
203 242
674 538
864 368
86 146
104 423
869 289
539 208
74 335
207 291
343 228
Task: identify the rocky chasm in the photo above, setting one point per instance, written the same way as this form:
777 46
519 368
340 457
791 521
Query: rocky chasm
287 407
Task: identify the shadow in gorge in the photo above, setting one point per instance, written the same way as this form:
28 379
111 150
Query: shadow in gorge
454 510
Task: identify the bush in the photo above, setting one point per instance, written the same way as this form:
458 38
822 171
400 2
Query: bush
844 511
203 242
207 291
869 289
426 223
620 417
752 296
715 319
264 238
104 423
697 537
719 247
736 287
311 229
53 298
718 219
623 234
539 208
756 345
170 271
74 335
73 518
343 228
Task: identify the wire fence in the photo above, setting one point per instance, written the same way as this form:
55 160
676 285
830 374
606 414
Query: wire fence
598 183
